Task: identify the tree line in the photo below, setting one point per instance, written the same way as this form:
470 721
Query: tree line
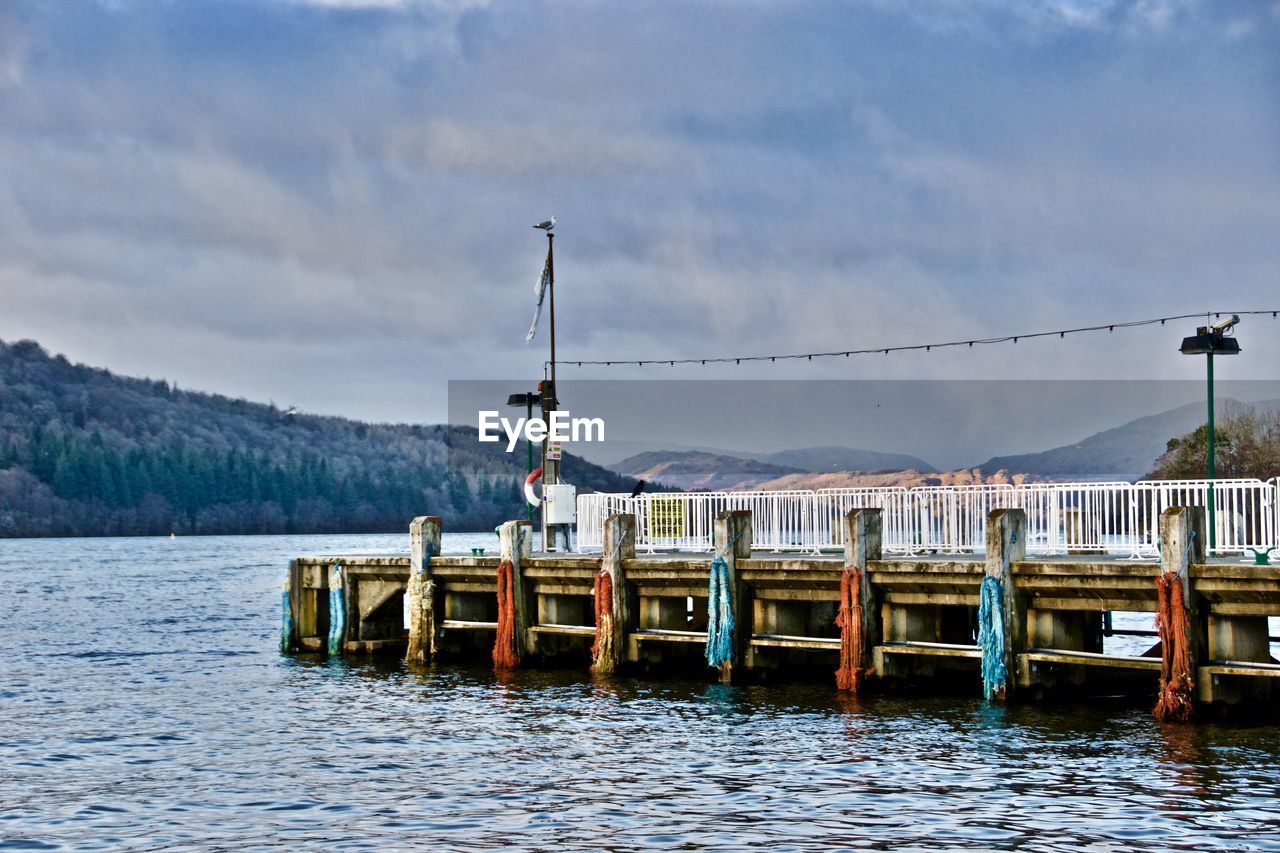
85 452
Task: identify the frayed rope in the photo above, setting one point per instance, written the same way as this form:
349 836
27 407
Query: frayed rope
506 654
991 636
850 675
506 650
1173 624
602 651
719 614
286 620
337 610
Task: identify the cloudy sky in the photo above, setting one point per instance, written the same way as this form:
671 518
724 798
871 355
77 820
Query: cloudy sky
327 203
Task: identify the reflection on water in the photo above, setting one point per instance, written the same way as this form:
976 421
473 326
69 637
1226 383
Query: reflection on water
142 704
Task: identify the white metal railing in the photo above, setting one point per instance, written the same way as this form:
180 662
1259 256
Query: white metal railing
1108 517
831 505
1244 513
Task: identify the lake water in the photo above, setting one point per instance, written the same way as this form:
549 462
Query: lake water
144 705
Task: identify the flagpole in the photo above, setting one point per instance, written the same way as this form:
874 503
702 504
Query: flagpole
551 284
550 467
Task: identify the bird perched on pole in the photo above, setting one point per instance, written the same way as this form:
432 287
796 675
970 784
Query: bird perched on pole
548 225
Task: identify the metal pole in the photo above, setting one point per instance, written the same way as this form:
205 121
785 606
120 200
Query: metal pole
1211 453
550 400
551 283
528 446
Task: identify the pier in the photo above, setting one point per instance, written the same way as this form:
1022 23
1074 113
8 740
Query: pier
917 619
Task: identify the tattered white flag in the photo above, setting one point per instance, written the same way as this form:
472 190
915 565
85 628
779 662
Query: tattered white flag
544 281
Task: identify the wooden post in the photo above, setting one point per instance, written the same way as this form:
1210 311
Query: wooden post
733 542
420 591
862 544
1006 545
620 546
297 597
515 542
1182 543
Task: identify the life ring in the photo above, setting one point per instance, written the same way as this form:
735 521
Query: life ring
534 475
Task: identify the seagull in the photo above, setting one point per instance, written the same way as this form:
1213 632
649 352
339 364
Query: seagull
548 225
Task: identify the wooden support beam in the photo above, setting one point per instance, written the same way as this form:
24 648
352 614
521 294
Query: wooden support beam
862 546
298 595
620 546
422 613
1006 545
515 542
733 542
1182 543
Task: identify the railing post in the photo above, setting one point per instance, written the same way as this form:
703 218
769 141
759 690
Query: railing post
420 592
733 542
1006 545
863 543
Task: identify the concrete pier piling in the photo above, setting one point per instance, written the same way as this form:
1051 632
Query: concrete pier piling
918 614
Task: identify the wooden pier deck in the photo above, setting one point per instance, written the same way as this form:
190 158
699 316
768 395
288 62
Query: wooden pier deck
918 614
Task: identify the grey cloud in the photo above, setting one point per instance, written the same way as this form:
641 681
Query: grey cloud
729 177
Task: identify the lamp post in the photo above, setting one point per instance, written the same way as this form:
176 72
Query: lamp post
528 401
1210 341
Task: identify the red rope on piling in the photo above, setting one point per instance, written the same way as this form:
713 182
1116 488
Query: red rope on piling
602 657
850 675
1174 627
505 651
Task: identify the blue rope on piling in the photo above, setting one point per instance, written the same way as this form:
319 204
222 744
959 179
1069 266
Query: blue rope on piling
719 614
991 636
286 620
337 611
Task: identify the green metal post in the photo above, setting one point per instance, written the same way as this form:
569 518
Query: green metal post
1210 459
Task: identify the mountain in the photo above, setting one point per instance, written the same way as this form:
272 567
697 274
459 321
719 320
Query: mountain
825 459
84 452
906 479
612 454
696 470
1127 452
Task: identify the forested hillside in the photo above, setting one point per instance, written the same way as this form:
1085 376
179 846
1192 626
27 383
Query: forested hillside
84 452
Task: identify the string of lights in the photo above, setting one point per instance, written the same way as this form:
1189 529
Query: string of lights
886 350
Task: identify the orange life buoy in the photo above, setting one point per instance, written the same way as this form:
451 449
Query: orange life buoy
534 475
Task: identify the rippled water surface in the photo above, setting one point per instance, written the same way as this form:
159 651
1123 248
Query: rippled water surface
143 705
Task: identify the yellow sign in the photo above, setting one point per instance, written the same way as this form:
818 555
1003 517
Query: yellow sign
667 519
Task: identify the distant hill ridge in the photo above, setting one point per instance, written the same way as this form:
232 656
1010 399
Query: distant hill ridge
823 459
696 470
1127 452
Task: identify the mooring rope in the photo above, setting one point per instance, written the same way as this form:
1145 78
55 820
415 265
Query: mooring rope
851 673
719 614
286 619
427 553
428 592
337 610
1172 623
603 654
506 652
991 636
